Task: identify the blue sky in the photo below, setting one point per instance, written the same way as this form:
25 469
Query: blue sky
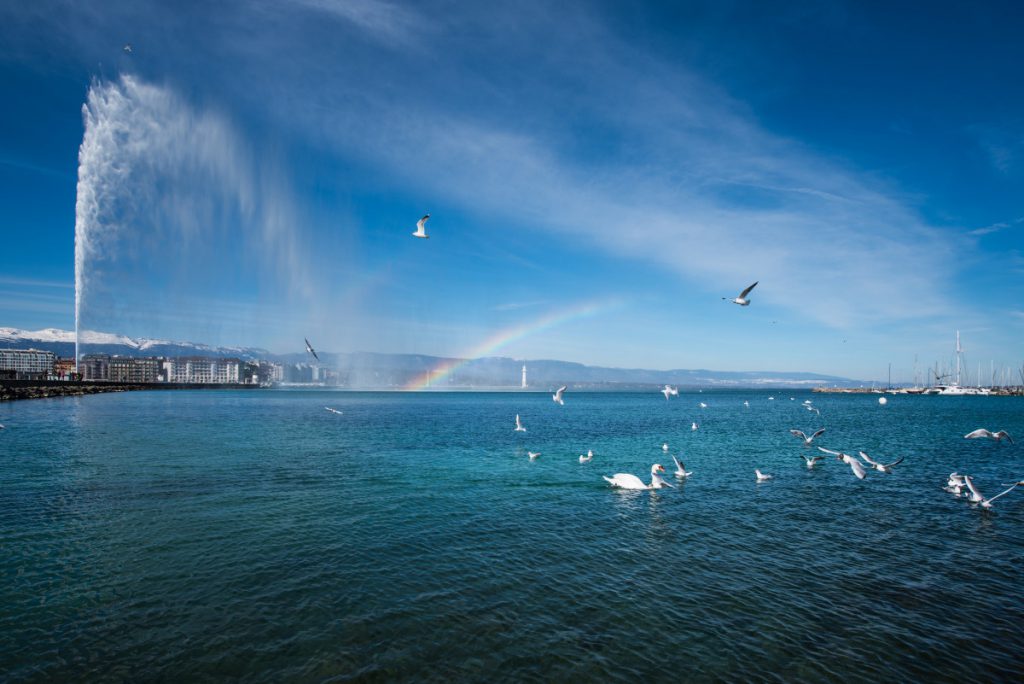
251 172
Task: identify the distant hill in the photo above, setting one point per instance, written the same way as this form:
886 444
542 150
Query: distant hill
371 370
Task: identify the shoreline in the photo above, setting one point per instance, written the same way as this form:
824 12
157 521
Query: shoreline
17 390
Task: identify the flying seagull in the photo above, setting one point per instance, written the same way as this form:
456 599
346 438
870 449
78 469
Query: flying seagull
533 454
519 425
421 228
670 391
976 496
812 460
557 396
880 467
762 477
856 466
127 48
742 299
310 349
588 458
807 440
981 433
333 410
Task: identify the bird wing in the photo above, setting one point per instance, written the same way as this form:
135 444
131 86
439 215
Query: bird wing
815 459
818 433
747 291
421 224
894 463
970 485
980 432
678 464
857 468
829 451
1003 434
1006 491
798 433
867 459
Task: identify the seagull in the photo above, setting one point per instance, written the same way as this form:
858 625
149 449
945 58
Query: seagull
703 405
310 349
983 433
670 391
333 410
627 481
533 454
664 447
127 48
976 496
807 440
742 299
807 401
747 404
812 460
771 398
812 408
762 477
557 396
855 465
519 425
693 427
588 458
421 228
955 484
880 467
681 472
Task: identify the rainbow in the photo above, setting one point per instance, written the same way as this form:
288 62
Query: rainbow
505 337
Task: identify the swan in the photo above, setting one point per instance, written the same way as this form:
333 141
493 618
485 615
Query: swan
421 228
519 425
588 458
762 477
681 472
628 481
807 440
742 299
557 396
880 467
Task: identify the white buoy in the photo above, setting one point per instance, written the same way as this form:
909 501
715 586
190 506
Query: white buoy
883 401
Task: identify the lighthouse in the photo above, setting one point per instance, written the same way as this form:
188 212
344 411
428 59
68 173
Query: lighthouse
524 377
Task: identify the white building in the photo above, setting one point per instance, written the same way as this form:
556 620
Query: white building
201 369
27 361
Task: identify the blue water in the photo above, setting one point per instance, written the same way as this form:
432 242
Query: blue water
214 535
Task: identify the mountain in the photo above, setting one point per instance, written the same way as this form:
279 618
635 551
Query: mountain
369 370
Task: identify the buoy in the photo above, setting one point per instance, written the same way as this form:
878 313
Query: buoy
883 401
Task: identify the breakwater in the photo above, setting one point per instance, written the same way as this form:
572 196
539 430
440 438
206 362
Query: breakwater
11 390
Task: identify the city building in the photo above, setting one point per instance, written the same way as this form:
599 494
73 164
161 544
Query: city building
202 369
29 364
95 367
64 369
134 369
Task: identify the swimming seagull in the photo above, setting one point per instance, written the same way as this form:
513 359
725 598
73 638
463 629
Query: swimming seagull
812 460
742 299
519 425
703 405
976 496
747 404
628 481
421 228
664 447
807 440
588 458
557 396
693 427
762 477
310 349
880 467
681 472
332 410
533 454
670 391
986 434
855 465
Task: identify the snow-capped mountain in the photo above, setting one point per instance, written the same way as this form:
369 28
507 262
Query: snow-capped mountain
62 343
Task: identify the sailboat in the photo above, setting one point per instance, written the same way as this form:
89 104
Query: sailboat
956 389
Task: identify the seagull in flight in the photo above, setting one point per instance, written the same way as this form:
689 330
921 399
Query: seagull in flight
533 455
333 410
856 466
812 460
762 477
812 408
310 349
519 425
670 392
880 467
807 440
421 228
703 405
747 404
976 496
588 458
557 396
982 433
127 48
955 484
681 472
742 299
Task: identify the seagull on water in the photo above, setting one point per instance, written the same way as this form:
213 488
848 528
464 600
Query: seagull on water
533 455
955 484
693 427
856 466
762 477
681 472
664 447
771 398
310 349
333 410
670 392
807 440
557 396
421 228
703 405
982 433
628 481
747 404
812 460
742 299
519 425
588 458
880 467
976 496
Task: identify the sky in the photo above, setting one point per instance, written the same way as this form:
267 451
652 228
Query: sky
599 176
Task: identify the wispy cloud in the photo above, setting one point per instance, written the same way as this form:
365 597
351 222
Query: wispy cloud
513 306
381 19
996 227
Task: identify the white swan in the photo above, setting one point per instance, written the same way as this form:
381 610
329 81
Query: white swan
880 467
742 299
557 396
519 425
681 472
628 481
762 477
421 228
588 458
